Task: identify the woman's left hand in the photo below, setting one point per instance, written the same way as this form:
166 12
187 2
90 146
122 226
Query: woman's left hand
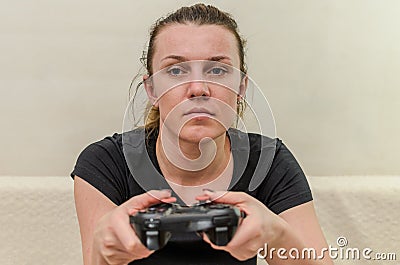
260 226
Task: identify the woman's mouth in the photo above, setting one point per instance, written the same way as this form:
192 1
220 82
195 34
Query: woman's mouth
199 111
199 114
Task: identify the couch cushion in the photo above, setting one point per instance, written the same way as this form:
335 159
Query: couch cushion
38 223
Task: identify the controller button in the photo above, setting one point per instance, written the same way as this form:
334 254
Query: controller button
151 223
221 220
161 210
152 209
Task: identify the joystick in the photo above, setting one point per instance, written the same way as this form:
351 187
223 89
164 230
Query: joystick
155 225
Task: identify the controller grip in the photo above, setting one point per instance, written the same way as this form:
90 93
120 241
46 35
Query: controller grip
152 239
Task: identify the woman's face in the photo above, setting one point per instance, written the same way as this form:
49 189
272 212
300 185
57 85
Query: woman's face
195 109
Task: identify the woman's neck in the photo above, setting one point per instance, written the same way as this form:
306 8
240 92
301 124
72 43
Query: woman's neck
187 165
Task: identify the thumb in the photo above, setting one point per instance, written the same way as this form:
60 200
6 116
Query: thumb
227 197
147 199
237 199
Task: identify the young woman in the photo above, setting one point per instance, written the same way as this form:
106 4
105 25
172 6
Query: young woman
279 212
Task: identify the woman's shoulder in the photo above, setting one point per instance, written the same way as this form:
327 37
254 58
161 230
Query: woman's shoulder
107 146
102 165
108 153
282 156
281 184
115 142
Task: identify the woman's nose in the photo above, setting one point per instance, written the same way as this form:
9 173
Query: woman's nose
198 89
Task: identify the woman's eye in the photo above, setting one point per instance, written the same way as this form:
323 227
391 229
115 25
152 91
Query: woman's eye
175 71
217 71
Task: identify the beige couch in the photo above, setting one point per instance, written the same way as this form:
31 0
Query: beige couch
38 223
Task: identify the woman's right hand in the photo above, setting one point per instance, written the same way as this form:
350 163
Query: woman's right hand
114 239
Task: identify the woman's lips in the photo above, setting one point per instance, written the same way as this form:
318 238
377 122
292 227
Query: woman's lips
199 112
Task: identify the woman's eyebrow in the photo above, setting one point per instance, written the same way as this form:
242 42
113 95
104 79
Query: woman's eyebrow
175 57
184 59
219 58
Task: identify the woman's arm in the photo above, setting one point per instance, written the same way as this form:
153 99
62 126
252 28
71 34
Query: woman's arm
106 234
90 206
304 223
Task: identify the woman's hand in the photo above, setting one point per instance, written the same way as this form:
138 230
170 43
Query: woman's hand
260 225
114 239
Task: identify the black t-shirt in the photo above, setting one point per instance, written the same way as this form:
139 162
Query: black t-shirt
284 185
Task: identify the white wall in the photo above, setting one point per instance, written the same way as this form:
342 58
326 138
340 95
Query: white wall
330 70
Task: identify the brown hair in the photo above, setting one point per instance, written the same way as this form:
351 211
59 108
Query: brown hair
198 14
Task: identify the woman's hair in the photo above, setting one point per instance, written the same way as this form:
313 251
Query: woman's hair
198 14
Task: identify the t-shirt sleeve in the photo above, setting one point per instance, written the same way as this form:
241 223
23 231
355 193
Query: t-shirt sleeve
103 166
286 185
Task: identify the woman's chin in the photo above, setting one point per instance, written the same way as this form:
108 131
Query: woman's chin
196 133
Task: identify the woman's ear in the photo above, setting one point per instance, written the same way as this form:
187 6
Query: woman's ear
148 86
243 86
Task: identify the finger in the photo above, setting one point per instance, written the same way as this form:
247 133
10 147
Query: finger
133 211
212 195
169 200
238 199
227 197
206 239
202 198
144 200
127 237
241 236
117 256
244 250
111 256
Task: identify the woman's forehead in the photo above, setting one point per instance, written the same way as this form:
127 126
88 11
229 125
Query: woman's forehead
195 42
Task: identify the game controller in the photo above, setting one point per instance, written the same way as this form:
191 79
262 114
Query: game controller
155 225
